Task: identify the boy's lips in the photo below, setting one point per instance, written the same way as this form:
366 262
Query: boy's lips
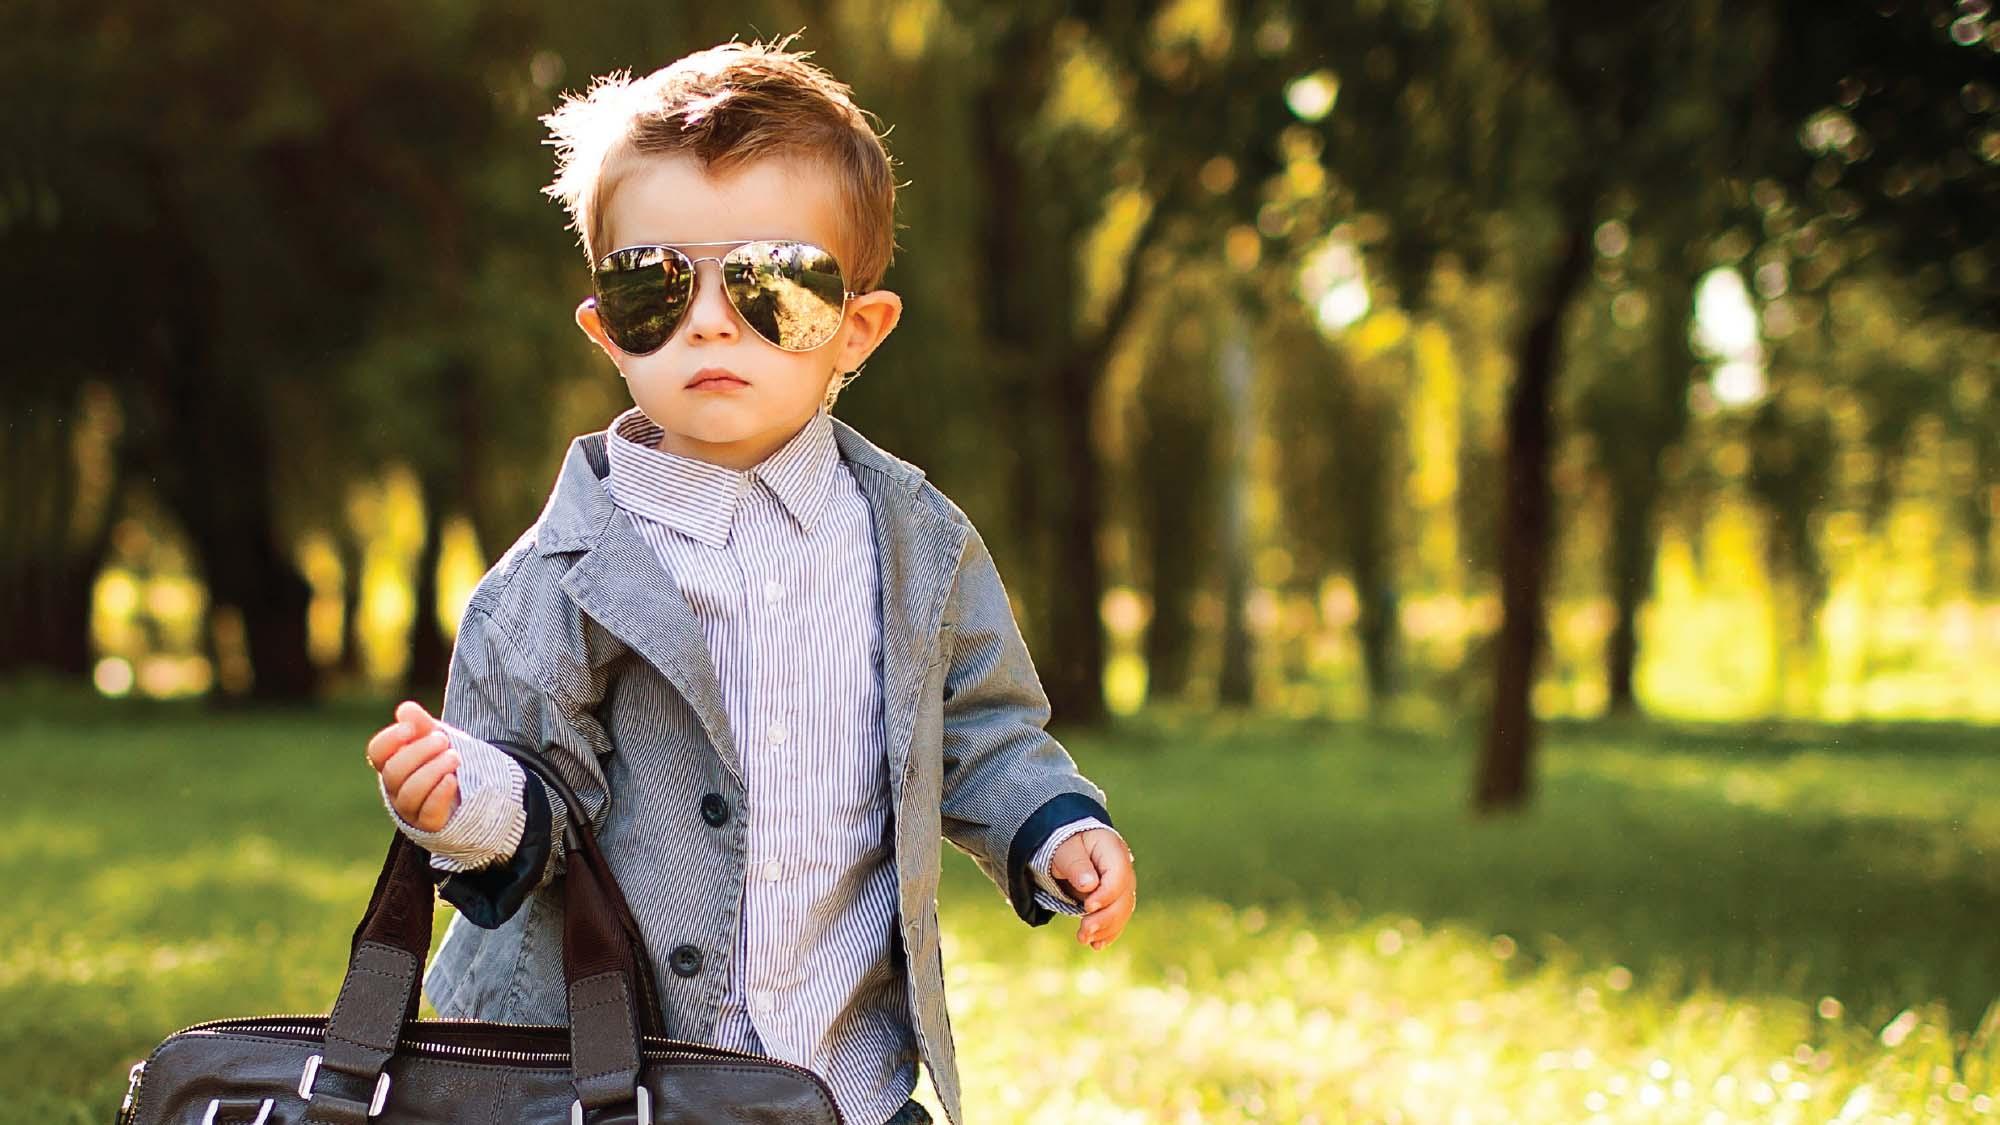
715 379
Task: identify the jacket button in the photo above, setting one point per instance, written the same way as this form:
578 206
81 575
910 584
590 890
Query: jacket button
714 809
685 960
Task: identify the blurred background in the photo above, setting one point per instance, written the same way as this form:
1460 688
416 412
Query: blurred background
1501 494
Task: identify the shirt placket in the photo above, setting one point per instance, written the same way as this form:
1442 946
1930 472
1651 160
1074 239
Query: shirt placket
771 627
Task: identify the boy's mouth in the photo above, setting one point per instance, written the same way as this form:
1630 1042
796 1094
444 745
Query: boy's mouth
715 379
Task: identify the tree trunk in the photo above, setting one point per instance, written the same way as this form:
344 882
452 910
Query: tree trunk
423 677
1027 239
455 482
1630 564
230 519
1170 632
213 457
49 570
1074 662
1175 467
49 613
1236 681
1377 631
1050 565
207 443
1366 455
1636 487
1504 771
352 665
1978 510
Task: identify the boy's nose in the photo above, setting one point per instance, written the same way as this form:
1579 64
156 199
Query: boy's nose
711 317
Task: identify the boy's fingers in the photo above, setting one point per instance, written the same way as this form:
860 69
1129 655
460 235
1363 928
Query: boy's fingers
417 788
386 742
413 713
1108 854
438 806
1099 930
406 761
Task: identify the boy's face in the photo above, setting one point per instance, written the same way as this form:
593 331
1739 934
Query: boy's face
764 393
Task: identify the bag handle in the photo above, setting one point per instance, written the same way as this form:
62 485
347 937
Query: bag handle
602 909
609 975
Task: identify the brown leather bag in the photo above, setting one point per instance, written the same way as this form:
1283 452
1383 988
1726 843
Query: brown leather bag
374 1060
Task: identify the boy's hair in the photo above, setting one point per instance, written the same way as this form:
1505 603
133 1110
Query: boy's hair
727 106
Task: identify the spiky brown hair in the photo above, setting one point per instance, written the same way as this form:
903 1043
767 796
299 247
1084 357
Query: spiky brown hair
727 106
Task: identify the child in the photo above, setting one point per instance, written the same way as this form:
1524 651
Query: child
774 661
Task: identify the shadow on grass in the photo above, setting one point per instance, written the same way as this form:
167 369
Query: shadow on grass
1690 863
170 866
1915 741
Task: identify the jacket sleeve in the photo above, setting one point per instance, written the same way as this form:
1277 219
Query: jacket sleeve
511 840
1008 784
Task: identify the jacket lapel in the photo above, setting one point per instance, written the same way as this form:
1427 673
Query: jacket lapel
621 584
917 548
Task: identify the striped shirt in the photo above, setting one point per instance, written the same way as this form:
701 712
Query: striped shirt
778 565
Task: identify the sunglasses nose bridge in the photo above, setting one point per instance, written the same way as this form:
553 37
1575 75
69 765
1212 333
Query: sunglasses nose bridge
694 267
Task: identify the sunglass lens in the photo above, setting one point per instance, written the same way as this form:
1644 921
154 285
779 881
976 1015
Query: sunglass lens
790 293
642 294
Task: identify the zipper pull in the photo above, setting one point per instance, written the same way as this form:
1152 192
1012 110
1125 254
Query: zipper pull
125 1110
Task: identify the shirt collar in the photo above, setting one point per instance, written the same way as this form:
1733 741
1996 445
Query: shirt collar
700 499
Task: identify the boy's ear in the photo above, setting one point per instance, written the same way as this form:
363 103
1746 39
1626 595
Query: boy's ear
593 327
870 319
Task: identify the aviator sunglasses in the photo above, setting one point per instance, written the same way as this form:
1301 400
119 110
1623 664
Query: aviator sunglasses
789 292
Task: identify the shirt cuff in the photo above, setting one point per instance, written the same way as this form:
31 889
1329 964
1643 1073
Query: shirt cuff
491 895
485 827
1051 895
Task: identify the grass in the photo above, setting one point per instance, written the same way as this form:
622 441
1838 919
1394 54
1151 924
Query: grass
1693 923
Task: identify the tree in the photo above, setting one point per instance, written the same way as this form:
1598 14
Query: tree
235 199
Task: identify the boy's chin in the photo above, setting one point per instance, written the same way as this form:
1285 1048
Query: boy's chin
715 423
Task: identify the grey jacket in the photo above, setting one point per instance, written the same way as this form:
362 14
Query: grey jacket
577 643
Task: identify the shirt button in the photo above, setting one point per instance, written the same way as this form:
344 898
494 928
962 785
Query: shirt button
763 1002
772 592
773 869
778 734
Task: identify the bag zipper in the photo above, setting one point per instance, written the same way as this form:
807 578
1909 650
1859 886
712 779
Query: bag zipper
669 1049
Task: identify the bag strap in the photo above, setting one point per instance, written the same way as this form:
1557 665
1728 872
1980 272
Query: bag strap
607 905
611 993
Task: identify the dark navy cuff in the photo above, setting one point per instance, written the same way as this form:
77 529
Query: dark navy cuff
1034 832
489 896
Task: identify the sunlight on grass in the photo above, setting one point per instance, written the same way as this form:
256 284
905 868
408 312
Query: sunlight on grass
1383 1020
1693 923
241 864
77 960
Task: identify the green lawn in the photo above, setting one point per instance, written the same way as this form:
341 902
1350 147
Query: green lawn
1693 924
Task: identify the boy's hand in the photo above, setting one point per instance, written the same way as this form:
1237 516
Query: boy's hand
418 767
1097 866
